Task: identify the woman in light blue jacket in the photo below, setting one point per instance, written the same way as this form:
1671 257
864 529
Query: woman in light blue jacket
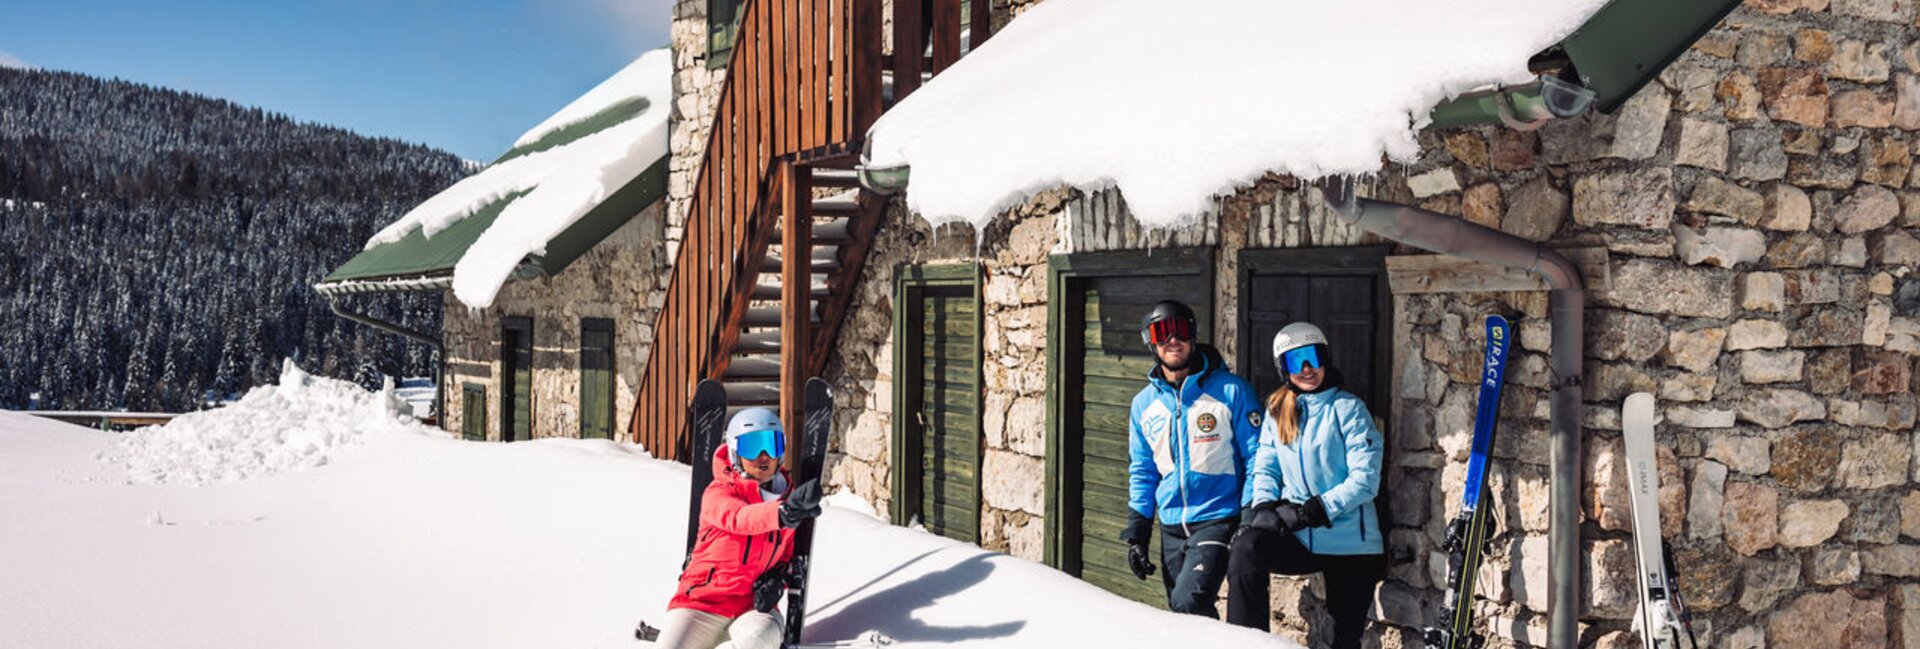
1312 482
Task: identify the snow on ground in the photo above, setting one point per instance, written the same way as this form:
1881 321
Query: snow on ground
297 424
1176 102
561 184
408 537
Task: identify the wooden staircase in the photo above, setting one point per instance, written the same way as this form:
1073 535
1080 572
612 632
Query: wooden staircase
778 229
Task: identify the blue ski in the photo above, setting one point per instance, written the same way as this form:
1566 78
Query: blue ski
1468 532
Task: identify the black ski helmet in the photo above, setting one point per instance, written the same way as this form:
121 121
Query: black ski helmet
1163 310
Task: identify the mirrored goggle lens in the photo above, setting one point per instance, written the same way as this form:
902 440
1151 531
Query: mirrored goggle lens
1300 358
1170 329
754 444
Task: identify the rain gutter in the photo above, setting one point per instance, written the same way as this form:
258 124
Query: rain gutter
1456 236
440 355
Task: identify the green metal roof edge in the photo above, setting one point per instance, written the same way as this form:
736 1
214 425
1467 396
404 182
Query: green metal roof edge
1617 51
606 118
596 225
1628 42
416 254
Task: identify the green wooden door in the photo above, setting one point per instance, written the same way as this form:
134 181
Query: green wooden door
947 412
516 374
596 378
473 412
936 359
1110 366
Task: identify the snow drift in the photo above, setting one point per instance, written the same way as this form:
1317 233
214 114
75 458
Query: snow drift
298 424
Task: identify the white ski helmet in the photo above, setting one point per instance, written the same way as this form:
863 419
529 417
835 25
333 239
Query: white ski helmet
754 431
1292 337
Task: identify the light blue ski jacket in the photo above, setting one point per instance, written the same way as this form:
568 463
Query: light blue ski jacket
1336 457
1188 446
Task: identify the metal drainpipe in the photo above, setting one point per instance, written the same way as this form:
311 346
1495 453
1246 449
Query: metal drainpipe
1456 236
439 352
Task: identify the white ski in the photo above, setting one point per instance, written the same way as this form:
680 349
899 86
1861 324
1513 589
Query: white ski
1662 620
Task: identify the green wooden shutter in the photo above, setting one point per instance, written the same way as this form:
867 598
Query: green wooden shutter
1097 365
473 412
596 378
937 440
516 371
949 415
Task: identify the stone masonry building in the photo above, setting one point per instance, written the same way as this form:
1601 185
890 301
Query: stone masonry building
1748 226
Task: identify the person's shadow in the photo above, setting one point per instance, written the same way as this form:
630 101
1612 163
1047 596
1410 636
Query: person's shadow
890 611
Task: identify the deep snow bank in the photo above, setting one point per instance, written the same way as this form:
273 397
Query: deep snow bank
298 424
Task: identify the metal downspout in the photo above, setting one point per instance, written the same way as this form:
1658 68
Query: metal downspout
439 352
1456 236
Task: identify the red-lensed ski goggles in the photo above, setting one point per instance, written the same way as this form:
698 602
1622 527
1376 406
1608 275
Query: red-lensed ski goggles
1161 331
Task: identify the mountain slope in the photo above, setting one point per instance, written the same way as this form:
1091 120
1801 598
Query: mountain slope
160 245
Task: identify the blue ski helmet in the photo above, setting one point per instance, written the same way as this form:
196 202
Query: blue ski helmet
755 431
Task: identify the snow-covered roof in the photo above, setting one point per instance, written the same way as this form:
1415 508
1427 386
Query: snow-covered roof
1178 102
556 173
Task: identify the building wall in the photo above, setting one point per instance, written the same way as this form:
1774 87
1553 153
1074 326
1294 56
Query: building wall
1761 222
614 280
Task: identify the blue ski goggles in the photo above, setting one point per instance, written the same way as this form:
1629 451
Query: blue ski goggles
1300 358
751 445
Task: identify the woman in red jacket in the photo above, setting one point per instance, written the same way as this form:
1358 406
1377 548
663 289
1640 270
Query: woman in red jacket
736 573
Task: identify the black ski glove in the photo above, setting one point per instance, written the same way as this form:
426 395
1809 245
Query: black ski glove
1138 562
801 504
1313 513
1287 516
768 588
1264 516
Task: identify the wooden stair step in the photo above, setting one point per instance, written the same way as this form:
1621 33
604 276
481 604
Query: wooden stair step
826 259
770 290
837 232
753 393
846 204
758 342
836 178
769 316
830 233
754 366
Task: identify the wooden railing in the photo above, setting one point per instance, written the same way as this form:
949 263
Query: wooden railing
804 82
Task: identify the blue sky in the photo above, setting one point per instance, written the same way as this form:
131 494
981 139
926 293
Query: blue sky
465 76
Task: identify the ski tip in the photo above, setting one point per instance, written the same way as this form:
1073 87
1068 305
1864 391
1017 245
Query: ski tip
1638 401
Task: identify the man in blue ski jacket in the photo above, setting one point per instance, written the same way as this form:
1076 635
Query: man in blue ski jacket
1190 434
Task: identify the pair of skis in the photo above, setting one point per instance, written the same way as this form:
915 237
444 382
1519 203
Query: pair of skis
706 420
1663 620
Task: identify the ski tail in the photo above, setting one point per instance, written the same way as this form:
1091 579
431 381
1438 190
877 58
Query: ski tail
1469 532
813 445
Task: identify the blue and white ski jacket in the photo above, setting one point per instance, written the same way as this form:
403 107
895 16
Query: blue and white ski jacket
1336 457
1188 446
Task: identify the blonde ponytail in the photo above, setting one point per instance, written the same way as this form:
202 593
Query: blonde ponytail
1283 409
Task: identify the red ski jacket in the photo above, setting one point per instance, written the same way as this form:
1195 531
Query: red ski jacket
740 537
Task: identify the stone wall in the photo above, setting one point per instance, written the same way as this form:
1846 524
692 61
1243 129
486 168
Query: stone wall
614 280
1756 205
1762 218
696 93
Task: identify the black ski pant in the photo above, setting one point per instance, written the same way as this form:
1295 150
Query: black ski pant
1350 581
1193 562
